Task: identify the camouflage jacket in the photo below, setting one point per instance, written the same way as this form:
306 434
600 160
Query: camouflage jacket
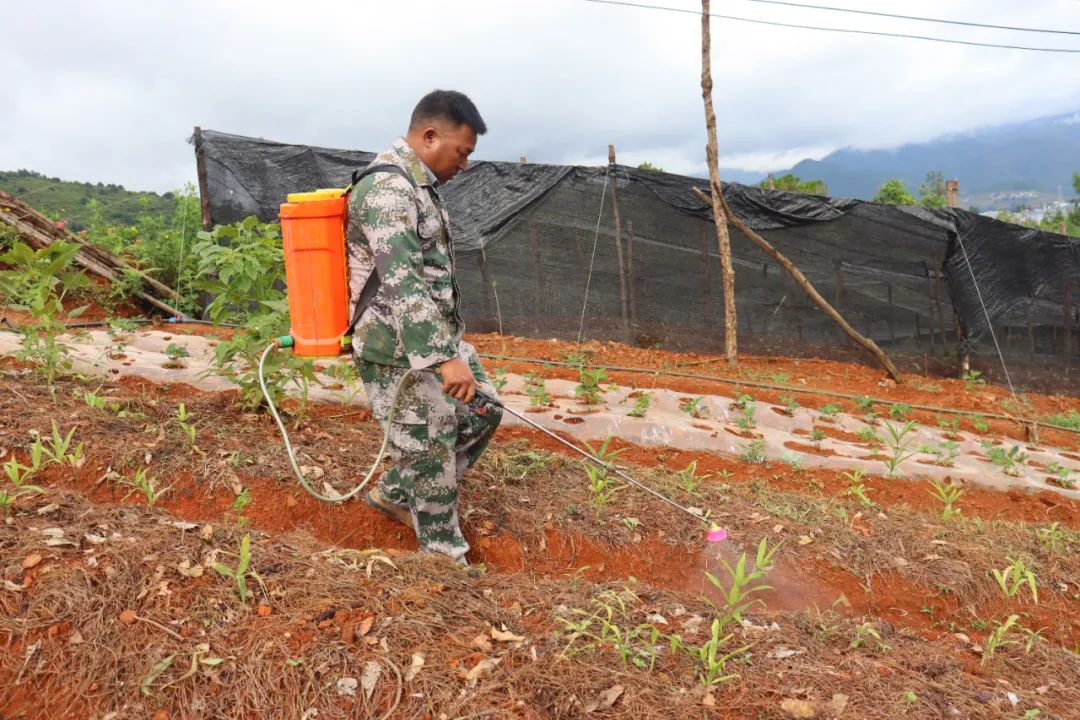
403 234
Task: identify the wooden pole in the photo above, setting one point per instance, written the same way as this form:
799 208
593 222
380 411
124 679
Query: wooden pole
200 171
618 241
802 282
630 284
727 272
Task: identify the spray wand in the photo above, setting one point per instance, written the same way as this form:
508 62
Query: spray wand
715 533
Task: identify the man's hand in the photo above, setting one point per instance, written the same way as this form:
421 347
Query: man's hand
458 379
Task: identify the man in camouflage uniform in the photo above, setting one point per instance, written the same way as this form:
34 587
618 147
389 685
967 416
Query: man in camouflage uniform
399 238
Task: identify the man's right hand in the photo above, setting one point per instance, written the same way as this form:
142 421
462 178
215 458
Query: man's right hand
458 379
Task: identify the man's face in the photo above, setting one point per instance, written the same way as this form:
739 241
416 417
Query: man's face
447 149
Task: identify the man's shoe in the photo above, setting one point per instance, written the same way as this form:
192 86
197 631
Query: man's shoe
374 499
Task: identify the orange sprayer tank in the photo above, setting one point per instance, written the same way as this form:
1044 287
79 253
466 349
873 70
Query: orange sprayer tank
313 238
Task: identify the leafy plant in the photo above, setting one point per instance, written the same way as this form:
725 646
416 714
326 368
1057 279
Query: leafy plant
1061 474
995 640
17 474
176 354
142 483
59 445
744 581
242 501
1010 461
947 494
868 435
817 436
714 663
641 405
589 390
830 410
187 424
972 379
602 487
534 388
790 403
899 411
689 480
242 266
865 632
899 440
946 452
498 378
1051 537
240 573
949 424
856 488
1015 577
755 452
1070 419
694 407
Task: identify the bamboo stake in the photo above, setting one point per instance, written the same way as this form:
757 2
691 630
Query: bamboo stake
618 240
801 280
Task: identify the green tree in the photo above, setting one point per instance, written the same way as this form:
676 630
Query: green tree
893 192
932 191
649 166
793 183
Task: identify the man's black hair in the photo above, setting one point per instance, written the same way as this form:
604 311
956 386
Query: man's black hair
448 105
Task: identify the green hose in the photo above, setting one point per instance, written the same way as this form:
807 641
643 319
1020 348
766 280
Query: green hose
283 342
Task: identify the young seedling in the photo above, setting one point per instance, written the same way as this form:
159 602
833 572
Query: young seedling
899 440
641 405
790 403
817 436
972 379
176 354
899 411
950 424
744 582
602 488
93 400
141 482
1015 577
856 488
534 388
1061 475
947 494
1010 461
240 574
865 632
755 452
689 480
869 436
589 390
498 378
830 411
713 662
946 452
979 424
996 639
57 450
694 407
1051 537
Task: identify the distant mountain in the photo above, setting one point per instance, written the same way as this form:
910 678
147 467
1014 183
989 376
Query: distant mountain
1038 155
68 199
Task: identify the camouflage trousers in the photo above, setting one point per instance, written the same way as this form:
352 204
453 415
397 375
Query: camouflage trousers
433 440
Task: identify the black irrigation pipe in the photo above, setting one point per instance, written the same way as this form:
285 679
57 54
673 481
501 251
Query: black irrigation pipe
788 388
138 321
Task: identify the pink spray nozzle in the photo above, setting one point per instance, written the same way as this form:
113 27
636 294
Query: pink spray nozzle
716 534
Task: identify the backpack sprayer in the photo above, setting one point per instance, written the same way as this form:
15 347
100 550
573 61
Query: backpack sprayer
313 240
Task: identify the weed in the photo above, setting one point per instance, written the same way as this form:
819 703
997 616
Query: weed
899 411
689 480
1070 419
790 403
1050 537
817 436
240 574
947 494
755 452
865 632
641 405
869 436
830 411
631 523
694 407
604 626
1011 461
972 379
1015 577
793 459
242 501
56 449
92 399
899 440
714 664
995 640
589 390
856 488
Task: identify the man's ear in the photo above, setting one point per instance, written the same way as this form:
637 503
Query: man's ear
430 133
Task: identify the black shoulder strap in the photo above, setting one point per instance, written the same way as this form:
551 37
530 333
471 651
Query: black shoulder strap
372 285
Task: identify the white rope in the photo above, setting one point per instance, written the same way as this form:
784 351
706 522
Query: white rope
588 278
990 326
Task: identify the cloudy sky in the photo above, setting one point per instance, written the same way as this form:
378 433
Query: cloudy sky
110 91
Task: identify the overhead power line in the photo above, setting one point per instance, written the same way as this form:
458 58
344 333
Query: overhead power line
915 17
839 30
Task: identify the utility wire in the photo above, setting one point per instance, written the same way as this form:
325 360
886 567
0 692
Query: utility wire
915 17
839 30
